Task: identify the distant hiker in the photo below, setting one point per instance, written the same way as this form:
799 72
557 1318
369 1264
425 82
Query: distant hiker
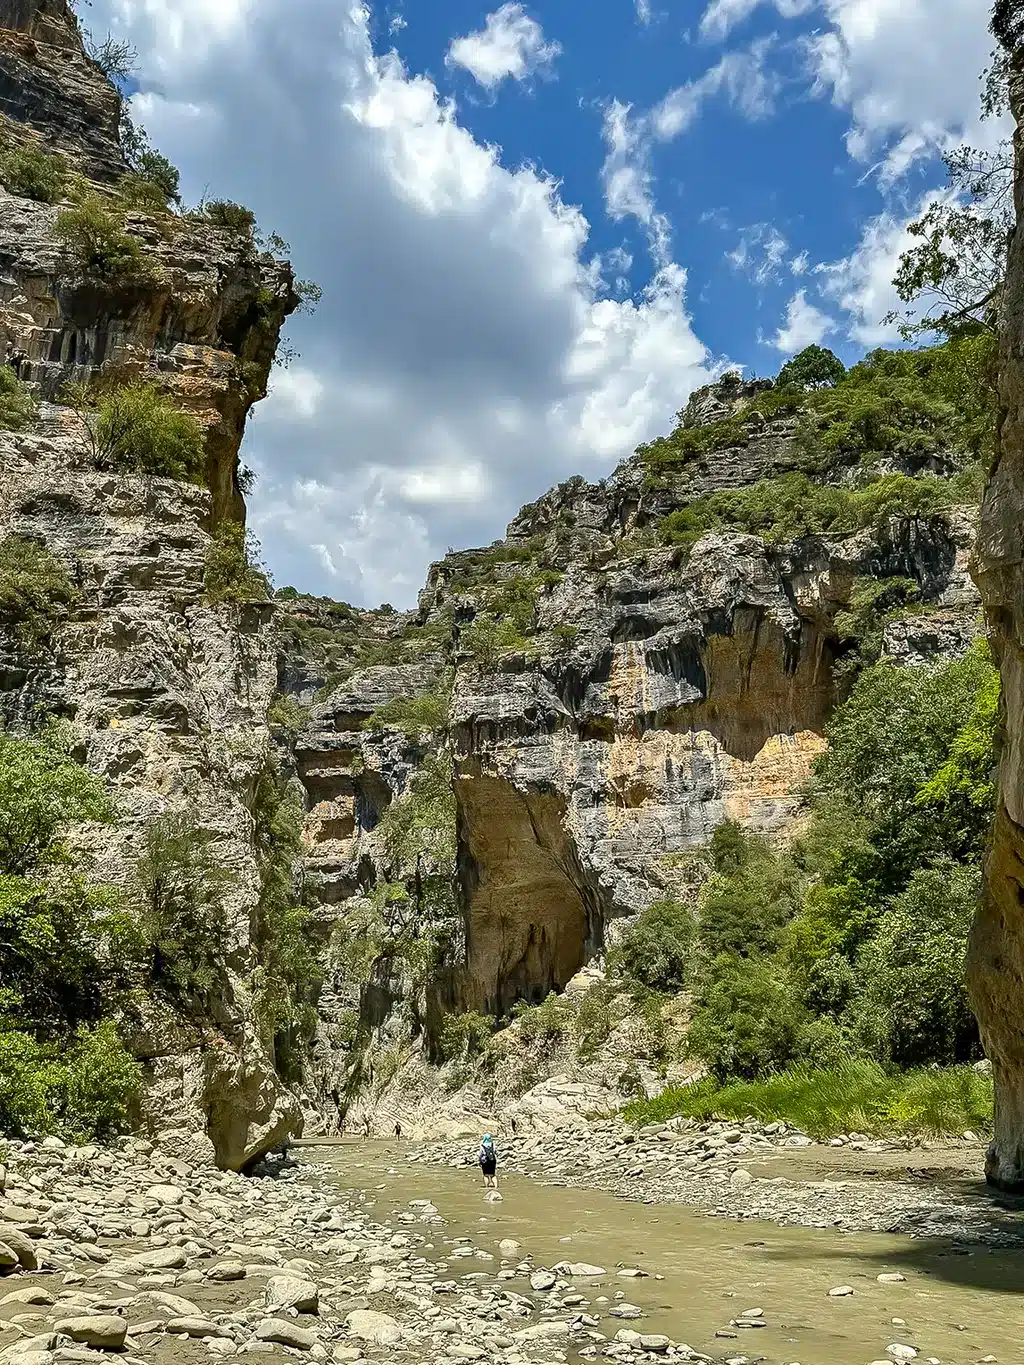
398 1130
488 1160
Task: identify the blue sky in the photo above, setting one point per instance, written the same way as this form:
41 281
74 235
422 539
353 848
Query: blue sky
539 226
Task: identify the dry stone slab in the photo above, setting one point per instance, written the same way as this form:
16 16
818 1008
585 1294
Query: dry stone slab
106 1331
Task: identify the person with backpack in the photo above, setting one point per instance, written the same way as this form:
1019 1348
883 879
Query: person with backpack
488 1161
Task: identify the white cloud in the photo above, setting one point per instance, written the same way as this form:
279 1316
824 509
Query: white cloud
396 23
643 11
510 44
630 136
907 72
760 253
861 283
798 265
722 16
465 356
805 325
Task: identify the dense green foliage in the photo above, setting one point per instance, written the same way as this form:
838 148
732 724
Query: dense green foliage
427 710
136 429
815 367
179 892
288 977
17 406
658 949
235 217
35 592
66 952
792 506
33 173
97 248
854 1096
851 941
911 406
233 572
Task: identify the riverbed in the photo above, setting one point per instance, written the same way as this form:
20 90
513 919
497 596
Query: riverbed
956 1304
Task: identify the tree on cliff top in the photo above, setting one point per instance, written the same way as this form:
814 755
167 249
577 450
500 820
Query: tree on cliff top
815 367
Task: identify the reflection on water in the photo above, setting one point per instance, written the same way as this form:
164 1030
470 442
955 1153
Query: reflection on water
957 1305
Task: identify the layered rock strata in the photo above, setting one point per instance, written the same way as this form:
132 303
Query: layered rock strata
653 695
167 695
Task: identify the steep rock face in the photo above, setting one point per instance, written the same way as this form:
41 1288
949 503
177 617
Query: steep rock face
167 695
996 953
653 695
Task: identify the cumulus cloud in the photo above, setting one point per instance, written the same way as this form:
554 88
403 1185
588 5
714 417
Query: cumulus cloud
722 16
805 325
465 356
860 284
510 45
907 72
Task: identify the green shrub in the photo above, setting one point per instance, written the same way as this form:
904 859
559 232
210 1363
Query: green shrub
287 714
595 1019
98 1081
859 1096
36 594
180 889
66 949
745 908
83 1091
913 1007
235 217
463 1036
544 1023
233 572
288 976
137 429
748 1020
17 406
657 950
33 173
97 249
42 790
427 710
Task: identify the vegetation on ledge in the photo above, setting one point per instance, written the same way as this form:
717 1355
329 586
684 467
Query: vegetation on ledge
914 407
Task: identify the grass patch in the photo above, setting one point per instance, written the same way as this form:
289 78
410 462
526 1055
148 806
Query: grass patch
859 1096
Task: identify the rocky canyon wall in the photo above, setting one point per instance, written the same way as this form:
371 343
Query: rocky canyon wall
996 955
645 695
167 695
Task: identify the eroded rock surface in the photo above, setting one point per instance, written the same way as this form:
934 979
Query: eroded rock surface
168 695
996 953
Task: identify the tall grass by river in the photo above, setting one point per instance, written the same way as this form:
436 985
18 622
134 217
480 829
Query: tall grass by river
860 1096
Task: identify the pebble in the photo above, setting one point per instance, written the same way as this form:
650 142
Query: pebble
841 1291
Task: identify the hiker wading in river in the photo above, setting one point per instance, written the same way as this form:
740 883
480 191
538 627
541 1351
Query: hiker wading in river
488 1159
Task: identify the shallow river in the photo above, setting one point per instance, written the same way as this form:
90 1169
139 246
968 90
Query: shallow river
956 1307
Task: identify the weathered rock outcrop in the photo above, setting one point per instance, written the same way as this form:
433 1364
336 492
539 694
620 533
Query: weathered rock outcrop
646 695
167 695
996 954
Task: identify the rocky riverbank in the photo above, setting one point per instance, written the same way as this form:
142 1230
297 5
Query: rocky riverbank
770 1172
156 1257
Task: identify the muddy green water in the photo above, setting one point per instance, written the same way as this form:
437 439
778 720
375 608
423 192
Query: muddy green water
957 1308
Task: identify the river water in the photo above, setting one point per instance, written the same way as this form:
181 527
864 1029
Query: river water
957 1305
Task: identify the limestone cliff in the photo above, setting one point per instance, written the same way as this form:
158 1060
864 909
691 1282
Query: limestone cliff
167 694
996 955
606 699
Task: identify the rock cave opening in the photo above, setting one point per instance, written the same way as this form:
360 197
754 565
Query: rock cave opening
533 916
